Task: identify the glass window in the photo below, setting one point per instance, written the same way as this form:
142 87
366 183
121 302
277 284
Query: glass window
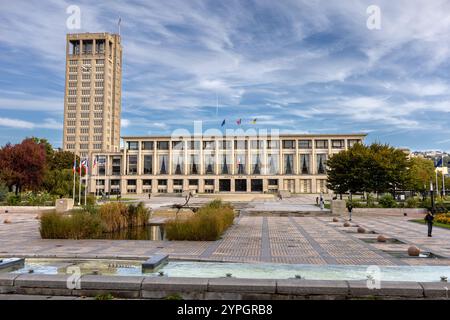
240 144
193 182
208 145
131 182
177 145
132 164
178 163
321 163
256 164
225 163
163 161
272 162
225 145
133 145
288 144
163 145
193 145
177 182
288 164
337 144
273 144
321 144
240 163
352 142
209 163
194 162
148 164
162 182
305 164
304 144
209 182
273 182
116 164
257 144
146 182
147 145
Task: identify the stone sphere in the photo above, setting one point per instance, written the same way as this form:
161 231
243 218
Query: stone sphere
381 238
361 230
346 224
413 251
335 219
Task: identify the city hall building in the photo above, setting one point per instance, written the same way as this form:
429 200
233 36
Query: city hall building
162 164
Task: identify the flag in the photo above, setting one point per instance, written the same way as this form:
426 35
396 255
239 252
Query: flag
254 121
120 20
84 164
223 123
438 163
74 165
238 121
94 162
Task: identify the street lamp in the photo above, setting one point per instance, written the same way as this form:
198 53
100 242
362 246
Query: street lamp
433 209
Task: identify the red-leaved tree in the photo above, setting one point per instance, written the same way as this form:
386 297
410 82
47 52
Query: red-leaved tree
23 165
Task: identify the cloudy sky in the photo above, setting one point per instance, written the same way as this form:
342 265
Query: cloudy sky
297 66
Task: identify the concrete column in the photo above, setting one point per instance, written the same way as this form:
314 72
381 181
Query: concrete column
265 185
201 185
232 185
139 159
249 185
297 185
169 185
123 186
216 185
138 186
124 159
154 186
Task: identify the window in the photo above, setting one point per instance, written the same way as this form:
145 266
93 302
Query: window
84 130
321 144
177 145
87 47
240 144
272 162
116 164
321 163
163 145
163 161
131 182
177 182
70 138
273 182
71 122
147 182
225 145
288 144
193 182
288 164
304 164
209 163
304 144
337 144
256 164
225 163
148 159
273 144
257 144
73 62
100 61
178 163
193 145
209 182
162 182
208 145
240 163
194 164
147 145
132 145
352 142
101 161
132 164
70 130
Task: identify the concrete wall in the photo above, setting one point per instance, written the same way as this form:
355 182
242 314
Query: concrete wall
217 288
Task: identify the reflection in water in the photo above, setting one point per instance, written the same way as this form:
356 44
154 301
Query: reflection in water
137 233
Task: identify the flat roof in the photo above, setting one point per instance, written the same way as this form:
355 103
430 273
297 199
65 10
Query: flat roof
284 135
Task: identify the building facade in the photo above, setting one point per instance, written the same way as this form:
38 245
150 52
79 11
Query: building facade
92 100
163 164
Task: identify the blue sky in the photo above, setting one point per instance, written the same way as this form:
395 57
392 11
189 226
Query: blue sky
297 66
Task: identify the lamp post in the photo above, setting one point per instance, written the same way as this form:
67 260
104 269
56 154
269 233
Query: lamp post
433 209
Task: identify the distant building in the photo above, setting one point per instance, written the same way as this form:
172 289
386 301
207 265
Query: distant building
161 164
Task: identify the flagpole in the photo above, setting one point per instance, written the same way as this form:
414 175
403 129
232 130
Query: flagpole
79 187
86 181
437 183
443 177
74 175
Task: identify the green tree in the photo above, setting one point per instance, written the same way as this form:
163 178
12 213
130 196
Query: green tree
420 172
60 182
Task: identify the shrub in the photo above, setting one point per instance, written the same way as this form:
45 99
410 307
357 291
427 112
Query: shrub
356 203
412 202
426 203
387 201
207 224
13 199
443 218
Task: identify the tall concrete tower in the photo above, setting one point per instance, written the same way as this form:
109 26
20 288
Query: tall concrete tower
92 100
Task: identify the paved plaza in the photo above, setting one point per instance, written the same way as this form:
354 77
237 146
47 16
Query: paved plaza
294 240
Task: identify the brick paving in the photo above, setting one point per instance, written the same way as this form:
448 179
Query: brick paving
294 240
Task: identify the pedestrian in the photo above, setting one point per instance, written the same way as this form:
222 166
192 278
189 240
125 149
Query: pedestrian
317 200
149 195
350 209
280 197
429 219
322 204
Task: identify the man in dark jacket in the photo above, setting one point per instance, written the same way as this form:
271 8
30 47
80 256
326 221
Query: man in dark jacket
429 219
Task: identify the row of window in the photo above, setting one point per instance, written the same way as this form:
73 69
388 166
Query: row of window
72 123
242 144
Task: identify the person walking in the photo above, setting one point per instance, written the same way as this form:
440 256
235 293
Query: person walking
350 209
429 219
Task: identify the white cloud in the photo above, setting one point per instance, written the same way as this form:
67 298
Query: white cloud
23 124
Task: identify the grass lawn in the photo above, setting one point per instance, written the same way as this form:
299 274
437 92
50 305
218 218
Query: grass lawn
435 224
